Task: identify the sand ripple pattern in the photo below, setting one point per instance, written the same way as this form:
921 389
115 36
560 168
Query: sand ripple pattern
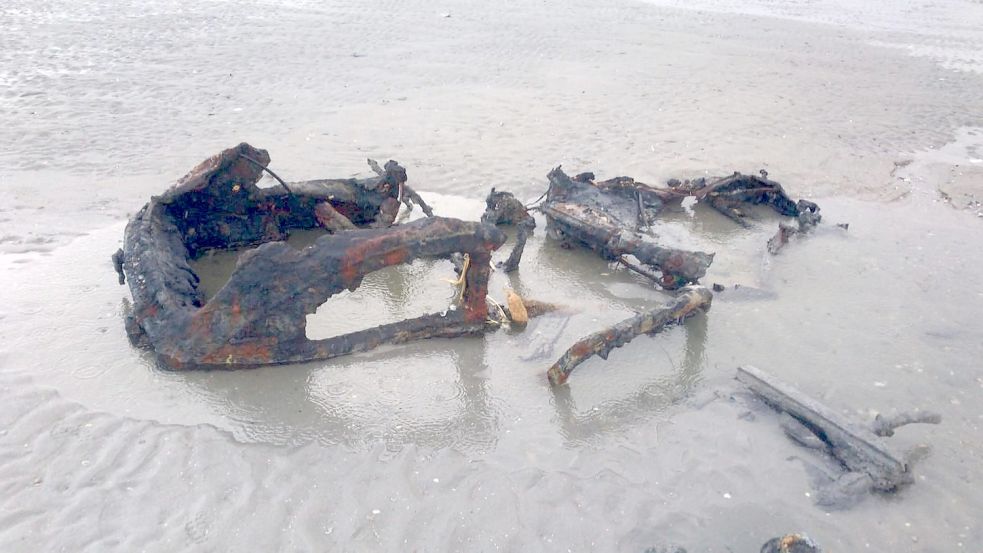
76 480
461 446
97 482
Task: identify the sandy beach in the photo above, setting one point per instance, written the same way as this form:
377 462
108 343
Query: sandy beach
874 111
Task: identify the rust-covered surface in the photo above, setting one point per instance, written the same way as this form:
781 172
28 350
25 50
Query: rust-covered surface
502 208
729 195
687 303
259 316
605 217
612 218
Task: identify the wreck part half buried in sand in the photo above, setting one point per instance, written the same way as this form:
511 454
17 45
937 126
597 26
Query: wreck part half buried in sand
259 315
611 218
867 462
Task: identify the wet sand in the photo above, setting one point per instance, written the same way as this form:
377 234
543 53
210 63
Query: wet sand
461 445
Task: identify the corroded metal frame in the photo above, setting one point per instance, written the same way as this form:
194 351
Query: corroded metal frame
259 316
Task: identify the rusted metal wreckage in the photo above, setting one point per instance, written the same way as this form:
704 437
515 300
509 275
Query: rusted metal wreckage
610 217
259 316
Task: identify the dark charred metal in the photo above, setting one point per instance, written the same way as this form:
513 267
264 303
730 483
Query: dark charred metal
806 220
502 208
610 218
118 266
791 543
690 300
605 217
259 316
406 194
728 194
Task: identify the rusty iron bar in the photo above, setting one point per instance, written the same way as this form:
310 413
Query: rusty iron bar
689 301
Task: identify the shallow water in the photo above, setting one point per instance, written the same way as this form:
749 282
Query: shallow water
461 444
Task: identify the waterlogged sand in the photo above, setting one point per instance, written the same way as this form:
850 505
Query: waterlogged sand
874 112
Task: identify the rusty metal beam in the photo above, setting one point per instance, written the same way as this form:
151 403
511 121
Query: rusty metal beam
689 301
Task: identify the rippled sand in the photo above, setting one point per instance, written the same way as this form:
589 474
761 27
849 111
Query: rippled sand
873 111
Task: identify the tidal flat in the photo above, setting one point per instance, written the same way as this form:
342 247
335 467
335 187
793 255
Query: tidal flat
874 112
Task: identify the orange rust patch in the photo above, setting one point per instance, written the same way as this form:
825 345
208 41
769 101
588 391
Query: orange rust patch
350 264
201 323
349 272
235 310
357 254
247 353
395 257
581 349
474 313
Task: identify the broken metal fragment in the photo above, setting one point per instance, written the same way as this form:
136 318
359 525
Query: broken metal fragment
118 266
610 216
791 543
602 217
330 219
806 220
726 194
858 449
688 302
502 208
394 175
